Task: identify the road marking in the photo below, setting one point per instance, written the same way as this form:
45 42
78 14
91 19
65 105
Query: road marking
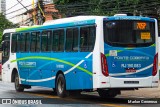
42 95
46 96
113 105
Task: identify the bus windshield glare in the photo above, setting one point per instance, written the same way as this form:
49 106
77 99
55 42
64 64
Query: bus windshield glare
126 33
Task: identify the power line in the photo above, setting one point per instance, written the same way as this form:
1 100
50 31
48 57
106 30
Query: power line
17 10
22 5
13 6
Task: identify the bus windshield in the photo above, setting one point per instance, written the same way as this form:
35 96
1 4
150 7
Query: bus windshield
126 33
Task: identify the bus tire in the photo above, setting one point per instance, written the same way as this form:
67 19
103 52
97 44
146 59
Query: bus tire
54 91
106 93
18 87
61 86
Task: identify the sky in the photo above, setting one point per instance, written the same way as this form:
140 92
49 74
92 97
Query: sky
10 3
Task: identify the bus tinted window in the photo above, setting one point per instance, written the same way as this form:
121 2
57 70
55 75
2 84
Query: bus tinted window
6 37
58 40
46 41
35 42
27 45
6 47
72 39
14 43
87 38
129 33
21 42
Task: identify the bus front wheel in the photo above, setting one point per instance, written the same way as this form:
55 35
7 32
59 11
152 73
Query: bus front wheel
18 87
61 86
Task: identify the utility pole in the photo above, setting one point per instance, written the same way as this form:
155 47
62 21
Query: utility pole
40 9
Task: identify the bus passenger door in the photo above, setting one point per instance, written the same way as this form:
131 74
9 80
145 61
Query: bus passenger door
5 57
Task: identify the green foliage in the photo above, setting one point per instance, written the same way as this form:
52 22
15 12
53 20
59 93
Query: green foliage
106 7
92 7
4 24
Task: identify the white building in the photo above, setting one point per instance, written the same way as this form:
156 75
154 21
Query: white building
2 6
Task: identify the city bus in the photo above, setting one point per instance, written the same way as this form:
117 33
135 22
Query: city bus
83 53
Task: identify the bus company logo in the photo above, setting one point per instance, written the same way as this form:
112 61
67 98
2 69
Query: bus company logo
27 64
141 25
59 66
21 101
6 101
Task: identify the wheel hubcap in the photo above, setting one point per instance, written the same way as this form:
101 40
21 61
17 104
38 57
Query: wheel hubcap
60 86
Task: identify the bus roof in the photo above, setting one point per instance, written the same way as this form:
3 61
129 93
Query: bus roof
72 19
9 30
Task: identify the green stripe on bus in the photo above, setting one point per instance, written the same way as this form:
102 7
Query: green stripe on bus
53 59
26 28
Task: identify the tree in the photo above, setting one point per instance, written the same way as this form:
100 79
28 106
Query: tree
5 24
106 7
93 7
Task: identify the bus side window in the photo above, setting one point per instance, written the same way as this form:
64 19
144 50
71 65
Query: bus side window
35 41
24 42
27 43
21 42
6 47
38 43
46 41
58 40
87 38
14 43
72 39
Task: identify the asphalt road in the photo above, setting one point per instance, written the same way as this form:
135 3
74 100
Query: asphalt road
47 98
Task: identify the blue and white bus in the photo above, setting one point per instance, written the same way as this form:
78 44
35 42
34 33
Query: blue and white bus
83 53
